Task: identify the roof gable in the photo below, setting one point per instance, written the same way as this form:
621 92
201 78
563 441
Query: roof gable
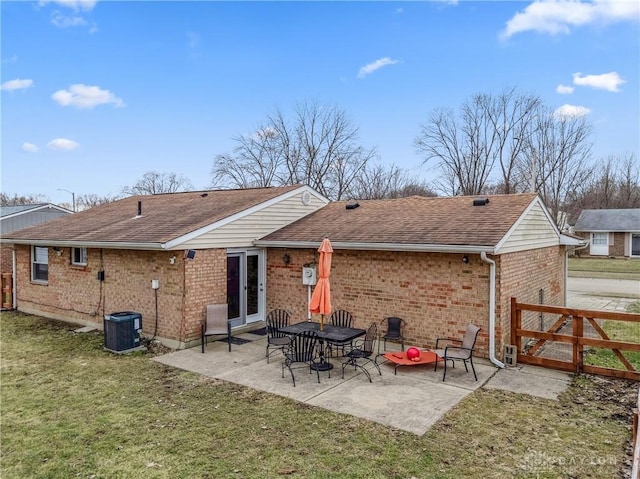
415 220
163 217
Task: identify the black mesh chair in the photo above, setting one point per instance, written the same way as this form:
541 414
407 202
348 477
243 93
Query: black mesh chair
361 353
341 318
461 350
276 319
301 350
393 330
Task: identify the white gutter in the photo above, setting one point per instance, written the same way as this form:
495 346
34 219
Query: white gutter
426 248
89 244
492 309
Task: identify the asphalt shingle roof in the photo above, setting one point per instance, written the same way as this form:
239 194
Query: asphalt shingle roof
620 220
412 220
11 210
164 217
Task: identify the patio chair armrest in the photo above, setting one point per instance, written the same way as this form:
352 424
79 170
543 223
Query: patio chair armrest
458 348
453 340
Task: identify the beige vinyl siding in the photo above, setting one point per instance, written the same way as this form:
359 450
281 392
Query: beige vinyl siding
241 232
533 231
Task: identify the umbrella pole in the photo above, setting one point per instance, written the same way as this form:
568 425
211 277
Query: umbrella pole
322 322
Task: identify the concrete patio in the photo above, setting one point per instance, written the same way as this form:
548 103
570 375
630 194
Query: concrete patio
413 400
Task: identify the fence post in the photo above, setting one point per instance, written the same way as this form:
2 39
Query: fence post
578 331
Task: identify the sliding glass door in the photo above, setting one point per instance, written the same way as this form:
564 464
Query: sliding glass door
245 286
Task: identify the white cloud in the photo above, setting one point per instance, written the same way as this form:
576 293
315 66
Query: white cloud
16 84
559 16
571 111
29 147
62 144
564 90
371 67
65 21
606 81
76 5
85 96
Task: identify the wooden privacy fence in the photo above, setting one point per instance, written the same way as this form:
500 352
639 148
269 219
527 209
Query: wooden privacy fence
573 333
7 291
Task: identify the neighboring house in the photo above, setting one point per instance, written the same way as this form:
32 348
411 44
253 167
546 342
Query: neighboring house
611 232
438 263
197 245
13 218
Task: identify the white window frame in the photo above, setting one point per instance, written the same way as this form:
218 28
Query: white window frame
600 239
37 259
81 256
631 235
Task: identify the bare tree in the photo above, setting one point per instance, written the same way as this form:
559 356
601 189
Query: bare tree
8 199
84 202
388 181
318 148
557 157
486 132
614 183
153 183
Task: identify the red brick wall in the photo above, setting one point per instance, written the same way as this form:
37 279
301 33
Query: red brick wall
522 275
6 254
74 293
205 283
437 294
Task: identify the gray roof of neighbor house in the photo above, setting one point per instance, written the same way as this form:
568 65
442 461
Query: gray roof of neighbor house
164 217
416 220
620 220
6 211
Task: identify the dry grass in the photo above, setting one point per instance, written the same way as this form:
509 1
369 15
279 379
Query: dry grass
606 268
70 409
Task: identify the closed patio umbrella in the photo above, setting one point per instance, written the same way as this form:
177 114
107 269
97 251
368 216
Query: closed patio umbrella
321 297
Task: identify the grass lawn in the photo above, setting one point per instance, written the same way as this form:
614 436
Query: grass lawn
607 268
69 409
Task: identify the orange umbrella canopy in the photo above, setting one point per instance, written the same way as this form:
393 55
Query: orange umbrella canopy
321 298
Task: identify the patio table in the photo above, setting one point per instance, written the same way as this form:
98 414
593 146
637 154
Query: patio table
329 333
399 358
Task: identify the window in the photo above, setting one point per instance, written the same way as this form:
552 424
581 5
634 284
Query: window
600 239
635 244
40 264
79 256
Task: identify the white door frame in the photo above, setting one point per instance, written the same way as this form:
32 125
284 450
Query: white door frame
249 257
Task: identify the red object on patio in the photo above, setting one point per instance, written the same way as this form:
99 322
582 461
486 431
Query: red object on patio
400 358
413 354
321 297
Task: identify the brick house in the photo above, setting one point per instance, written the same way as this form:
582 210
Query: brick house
614 232
198 245
13 218
439 263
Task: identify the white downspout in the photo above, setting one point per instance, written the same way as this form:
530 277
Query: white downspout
492 310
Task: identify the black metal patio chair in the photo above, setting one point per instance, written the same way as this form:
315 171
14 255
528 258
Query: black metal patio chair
342 318
303 350
362 351
276 340
393 330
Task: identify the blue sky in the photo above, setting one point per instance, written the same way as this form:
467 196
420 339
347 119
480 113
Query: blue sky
96 93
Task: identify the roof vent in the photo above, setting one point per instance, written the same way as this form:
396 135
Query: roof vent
204 195
139 210
481 202
352 206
